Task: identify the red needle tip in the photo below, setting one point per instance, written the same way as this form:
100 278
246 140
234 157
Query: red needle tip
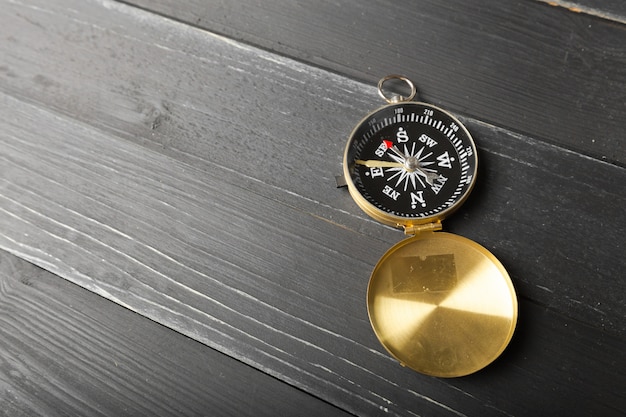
388 143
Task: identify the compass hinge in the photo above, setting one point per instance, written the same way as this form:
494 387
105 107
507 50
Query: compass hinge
419 228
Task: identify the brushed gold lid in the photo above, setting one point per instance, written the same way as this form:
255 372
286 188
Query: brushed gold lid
442 304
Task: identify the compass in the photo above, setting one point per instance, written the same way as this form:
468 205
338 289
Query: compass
439 303
409 163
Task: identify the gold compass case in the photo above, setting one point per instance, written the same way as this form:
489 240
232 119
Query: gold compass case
439 303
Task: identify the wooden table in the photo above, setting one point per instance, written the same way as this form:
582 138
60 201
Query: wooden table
172 241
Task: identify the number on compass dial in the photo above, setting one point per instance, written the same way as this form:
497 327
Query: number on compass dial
412 160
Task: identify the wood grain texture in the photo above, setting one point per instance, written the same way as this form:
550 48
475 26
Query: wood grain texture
189 178
66 351
605 9
540 70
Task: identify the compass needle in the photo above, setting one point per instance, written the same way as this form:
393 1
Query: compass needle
378 164
399 154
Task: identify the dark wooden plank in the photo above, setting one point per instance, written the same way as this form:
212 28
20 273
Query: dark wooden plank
540 70
265 260
66 351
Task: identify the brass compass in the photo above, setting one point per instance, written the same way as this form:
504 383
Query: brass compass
439 303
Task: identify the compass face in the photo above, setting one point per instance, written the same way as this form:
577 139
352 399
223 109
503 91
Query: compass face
410 163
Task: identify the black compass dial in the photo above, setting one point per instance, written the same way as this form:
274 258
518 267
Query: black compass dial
411 162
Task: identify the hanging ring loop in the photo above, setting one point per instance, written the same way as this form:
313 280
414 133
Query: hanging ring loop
396 98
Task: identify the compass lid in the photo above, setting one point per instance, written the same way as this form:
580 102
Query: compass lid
442 304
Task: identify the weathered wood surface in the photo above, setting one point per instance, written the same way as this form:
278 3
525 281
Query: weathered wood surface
189 178
605 9
66 351
528 66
